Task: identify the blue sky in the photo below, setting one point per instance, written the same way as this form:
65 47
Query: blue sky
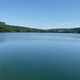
41 13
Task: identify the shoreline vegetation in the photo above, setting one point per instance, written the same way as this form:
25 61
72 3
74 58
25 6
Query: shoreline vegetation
11 28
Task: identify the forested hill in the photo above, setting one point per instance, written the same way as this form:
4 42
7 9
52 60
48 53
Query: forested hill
10 28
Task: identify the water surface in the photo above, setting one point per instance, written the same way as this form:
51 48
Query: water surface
39 56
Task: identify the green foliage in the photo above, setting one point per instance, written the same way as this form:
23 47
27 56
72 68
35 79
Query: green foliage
10 28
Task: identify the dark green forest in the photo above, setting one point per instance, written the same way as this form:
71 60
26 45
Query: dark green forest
11 28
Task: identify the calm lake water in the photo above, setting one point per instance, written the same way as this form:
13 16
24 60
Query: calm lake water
39 56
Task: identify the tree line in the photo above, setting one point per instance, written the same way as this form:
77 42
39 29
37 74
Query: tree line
11 28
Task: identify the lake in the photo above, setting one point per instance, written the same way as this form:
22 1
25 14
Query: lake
39 56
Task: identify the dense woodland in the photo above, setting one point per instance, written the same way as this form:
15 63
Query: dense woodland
10 28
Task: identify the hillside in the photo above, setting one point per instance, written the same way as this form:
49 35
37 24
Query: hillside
10 28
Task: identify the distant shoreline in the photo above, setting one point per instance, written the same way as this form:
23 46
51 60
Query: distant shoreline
10 28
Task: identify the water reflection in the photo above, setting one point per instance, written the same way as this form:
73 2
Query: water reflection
2 37
39 56
76 36
6 37
39 36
